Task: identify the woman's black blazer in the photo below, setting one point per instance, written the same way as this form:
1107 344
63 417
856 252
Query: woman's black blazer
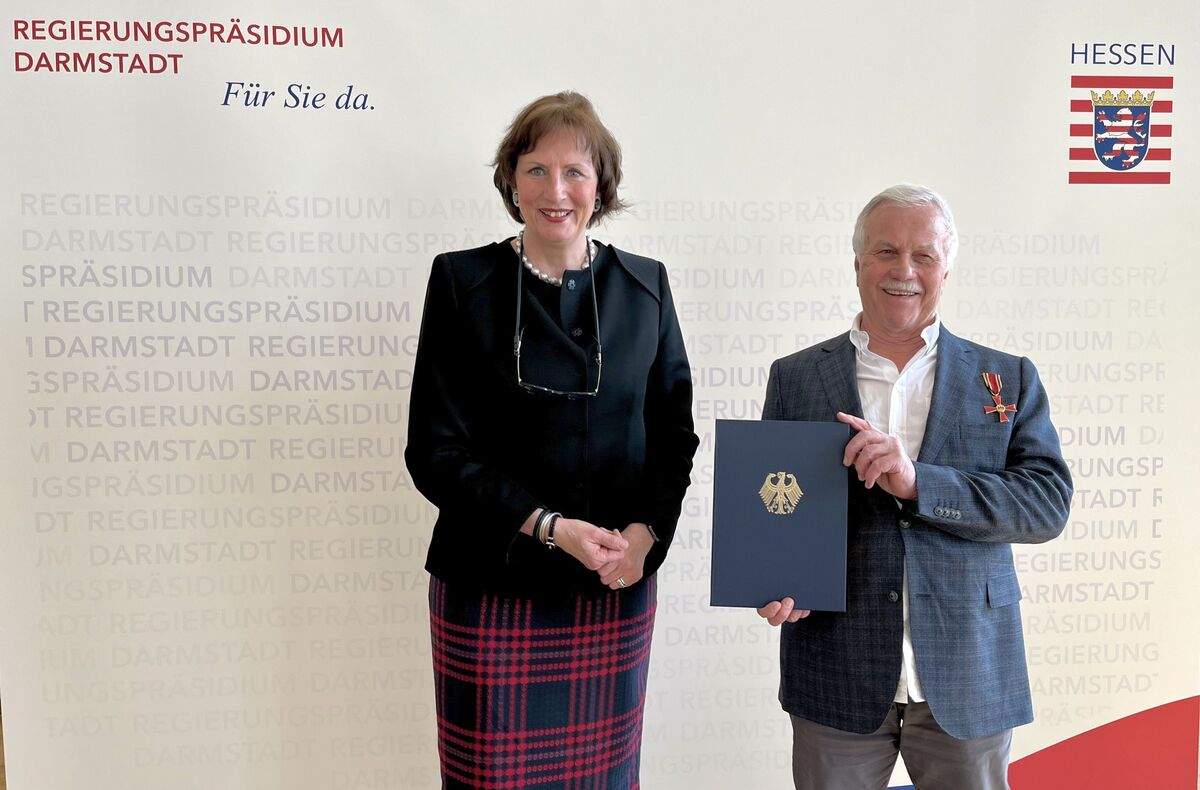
487 452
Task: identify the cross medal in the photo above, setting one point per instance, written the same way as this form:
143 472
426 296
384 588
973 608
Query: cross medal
993 382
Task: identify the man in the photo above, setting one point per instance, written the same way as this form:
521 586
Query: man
955 458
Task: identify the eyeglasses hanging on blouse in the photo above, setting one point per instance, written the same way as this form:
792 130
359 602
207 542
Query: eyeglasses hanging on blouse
519 332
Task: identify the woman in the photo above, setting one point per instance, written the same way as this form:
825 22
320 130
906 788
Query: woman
551 425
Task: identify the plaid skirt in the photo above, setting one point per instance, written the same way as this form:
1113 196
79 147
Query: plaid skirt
534 694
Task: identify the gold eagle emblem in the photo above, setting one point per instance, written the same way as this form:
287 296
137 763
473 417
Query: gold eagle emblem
780 493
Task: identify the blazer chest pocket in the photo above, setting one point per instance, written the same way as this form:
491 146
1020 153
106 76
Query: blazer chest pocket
1003 590
982 448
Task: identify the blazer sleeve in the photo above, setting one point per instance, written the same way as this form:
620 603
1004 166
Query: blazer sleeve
444 464
773 402
1027 502
671 439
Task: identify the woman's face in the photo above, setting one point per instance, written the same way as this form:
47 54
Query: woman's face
556 183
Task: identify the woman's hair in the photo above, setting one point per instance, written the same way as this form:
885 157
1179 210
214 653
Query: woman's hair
566 110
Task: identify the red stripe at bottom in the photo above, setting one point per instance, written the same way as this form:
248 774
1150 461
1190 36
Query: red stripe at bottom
1118 178
1154 748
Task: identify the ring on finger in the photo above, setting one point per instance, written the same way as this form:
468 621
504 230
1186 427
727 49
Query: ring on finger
621 580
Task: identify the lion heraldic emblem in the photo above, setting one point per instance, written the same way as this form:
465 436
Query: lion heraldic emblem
780 493
1122 128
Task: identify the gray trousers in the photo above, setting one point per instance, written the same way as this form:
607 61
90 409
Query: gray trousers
824 758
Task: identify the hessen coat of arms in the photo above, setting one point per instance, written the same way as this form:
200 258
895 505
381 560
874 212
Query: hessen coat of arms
1122 128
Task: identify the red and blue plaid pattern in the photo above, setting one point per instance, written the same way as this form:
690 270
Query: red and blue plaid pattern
541 693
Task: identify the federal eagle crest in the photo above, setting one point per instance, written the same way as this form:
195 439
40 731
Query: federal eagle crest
780 493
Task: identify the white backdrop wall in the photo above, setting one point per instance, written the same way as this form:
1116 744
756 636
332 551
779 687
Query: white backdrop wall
213 554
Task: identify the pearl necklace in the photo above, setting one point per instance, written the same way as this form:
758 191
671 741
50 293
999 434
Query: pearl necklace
543 276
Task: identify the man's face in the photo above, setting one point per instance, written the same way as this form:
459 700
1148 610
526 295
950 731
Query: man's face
901 270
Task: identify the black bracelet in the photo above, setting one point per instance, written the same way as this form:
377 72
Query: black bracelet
549 541
544 525
539 525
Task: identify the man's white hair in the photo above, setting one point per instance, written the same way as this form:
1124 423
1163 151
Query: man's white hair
911 195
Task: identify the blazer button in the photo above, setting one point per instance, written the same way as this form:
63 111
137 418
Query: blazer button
937 511
576 332
905 523
893 596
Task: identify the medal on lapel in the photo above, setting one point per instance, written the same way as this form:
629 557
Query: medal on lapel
993 382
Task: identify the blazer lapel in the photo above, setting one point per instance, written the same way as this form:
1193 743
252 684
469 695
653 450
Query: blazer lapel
952 377
838 376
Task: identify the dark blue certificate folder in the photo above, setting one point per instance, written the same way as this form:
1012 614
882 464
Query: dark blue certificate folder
779 514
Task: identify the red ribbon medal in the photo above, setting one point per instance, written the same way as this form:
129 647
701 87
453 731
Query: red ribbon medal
993 382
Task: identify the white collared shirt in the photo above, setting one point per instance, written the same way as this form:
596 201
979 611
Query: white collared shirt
897 403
